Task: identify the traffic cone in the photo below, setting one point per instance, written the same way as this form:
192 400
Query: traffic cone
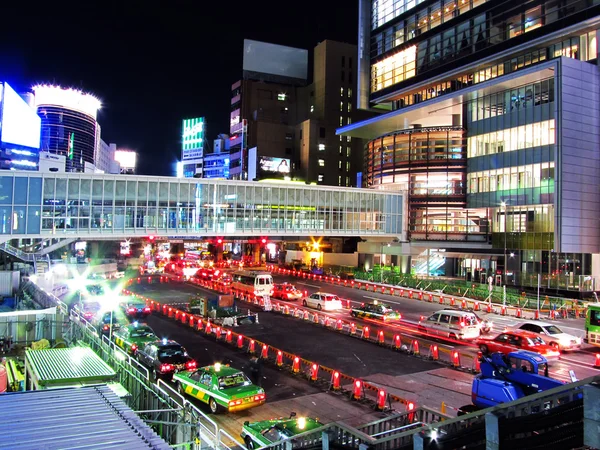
279 361
420 296
208 327
340 325
218 333
430 297
366 333
415 347
240 341
192 318
452 301
476 306
352 329
228 337
183 316
441 299
286 310
503 310
380 337
410 407
410 294
252 346
306 315
401 292
397 342
434 352
335 380
537 315
264 354
489 308
357 392
597 363
296 365
455 359
391 291
314 372
518 313
477 362
463 304
381 399
316 319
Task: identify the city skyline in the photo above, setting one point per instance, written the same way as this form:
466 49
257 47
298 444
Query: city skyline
122 55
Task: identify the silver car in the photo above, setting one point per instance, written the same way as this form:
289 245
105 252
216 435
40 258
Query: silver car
553 335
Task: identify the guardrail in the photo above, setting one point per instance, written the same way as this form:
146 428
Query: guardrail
570 308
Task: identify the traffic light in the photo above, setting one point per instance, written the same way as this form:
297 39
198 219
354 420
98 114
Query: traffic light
219 241
151 238
263 241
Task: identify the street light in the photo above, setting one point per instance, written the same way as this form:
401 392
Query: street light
505 232
109 301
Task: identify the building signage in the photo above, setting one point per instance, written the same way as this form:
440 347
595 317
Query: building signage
272 164
192 139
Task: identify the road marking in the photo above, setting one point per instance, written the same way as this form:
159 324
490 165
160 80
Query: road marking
311 285
579 363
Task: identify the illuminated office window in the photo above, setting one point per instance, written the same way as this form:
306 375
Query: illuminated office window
321 163
281 97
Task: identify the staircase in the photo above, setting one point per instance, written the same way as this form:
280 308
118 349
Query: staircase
41 260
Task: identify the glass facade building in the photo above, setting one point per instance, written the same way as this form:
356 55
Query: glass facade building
85 205
520 81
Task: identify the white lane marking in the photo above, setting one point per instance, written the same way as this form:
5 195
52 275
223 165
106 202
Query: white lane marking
579 363
311 285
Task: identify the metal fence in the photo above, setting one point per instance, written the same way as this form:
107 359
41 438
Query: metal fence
174 418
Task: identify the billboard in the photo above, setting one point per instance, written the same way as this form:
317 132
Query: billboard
126 158
272 164
192 138
288 62
20 123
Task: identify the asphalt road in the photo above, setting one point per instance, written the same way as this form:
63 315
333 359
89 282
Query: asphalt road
349 355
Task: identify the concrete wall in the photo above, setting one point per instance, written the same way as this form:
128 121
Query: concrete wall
329 259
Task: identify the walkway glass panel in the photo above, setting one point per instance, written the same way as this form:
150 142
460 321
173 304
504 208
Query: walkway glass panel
88 205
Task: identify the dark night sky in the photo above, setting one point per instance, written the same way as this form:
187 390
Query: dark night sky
152 65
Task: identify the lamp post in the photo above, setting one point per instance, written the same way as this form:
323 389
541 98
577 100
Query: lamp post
505 232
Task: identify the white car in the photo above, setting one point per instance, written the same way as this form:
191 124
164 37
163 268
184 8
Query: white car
553 335
323 301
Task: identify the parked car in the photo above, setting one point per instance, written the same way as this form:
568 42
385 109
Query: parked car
136 309
323 301
222 387
375 310
165 357
133 336
553 335
512 340
267 432
287 291
104 320
453 324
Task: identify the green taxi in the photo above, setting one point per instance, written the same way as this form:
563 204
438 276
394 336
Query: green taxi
131 337
375 310
267 432
222 387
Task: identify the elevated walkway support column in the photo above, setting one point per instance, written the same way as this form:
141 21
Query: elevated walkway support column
492 431
591 416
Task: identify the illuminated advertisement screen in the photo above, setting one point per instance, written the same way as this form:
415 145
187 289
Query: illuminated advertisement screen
263 57
272 164
20 123
192 134
127 159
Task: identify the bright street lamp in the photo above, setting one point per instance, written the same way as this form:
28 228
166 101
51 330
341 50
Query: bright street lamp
109 302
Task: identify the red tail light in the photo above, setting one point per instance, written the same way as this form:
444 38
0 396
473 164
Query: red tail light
235 402
131 310
146 309
190 365
105 327
259 397
462 324
166 367
133 347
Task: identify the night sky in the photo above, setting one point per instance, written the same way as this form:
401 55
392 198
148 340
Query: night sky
152 65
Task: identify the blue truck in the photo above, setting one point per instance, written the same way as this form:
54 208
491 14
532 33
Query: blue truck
505 378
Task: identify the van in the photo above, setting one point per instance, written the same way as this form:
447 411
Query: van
453 324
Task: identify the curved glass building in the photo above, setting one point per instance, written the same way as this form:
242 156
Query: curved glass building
69 125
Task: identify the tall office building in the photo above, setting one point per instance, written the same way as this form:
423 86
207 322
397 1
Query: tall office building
216 163
69 125
265 109
491 128
105 159
326 158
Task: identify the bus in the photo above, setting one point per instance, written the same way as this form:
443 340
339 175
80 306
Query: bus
592 324
253 282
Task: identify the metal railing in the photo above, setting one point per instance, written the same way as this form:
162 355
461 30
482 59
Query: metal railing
174 418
